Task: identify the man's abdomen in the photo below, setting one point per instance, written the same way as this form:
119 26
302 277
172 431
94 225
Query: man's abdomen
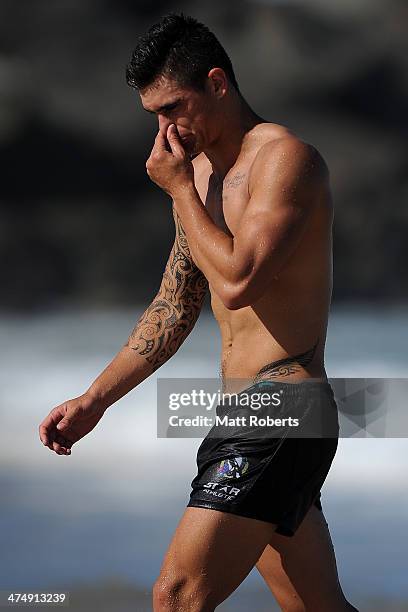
254 357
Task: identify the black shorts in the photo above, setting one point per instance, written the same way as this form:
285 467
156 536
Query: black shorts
272 474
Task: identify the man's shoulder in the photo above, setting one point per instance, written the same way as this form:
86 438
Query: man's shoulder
285 153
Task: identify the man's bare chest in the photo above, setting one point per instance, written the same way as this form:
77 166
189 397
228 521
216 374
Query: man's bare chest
226 201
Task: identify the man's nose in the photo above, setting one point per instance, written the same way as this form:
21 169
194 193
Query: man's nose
163 123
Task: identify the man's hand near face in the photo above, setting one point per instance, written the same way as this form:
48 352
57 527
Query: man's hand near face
171 169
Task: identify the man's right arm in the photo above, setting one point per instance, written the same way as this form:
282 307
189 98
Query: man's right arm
161 329
158 334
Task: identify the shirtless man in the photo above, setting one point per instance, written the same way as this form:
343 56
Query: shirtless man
253 217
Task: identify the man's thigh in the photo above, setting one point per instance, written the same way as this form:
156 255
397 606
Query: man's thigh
215 550
301 570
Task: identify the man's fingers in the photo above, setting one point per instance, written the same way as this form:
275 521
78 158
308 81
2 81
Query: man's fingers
174 141
169 141
63 441
64 425
49 430
60 449
160 143
43 434
47 426
61 444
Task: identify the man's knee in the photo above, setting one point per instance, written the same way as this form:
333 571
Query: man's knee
179 592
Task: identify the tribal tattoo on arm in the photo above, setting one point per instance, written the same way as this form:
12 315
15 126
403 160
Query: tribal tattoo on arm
171 316
286 366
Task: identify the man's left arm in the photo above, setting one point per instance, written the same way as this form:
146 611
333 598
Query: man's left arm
285 177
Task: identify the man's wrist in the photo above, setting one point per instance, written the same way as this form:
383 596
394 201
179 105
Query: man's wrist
94 397
185 193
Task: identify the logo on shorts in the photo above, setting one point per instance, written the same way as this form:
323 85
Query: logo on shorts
233 468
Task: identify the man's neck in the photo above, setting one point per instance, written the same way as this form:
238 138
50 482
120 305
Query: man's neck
239 120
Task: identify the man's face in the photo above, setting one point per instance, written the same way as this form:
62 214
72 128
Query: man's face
190 110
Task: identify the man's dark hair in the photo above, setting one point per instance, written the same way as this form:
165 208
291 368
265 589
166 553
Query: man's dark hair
179 47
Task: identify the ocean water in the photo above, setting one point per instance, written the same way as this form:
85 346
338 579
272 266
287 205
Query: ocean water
109 510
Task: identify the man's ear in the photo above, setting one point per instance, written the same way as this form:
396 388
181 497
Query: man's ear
218 82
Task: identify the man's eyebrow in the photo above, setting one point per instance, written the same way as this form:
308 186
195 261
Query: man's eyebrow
164 107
